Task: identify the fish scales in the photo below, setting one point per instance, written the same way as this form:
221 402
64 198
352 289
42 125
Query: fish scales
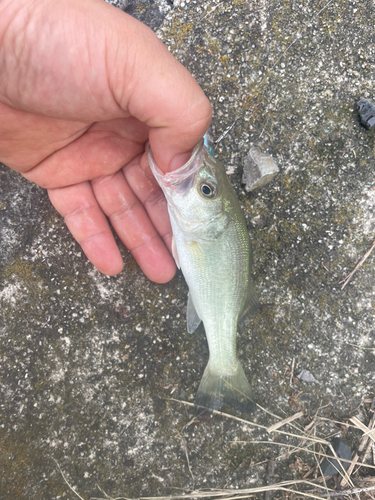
215 293
211 245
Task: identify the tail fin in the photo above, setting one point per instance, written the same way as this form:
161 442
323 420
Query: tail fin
217 390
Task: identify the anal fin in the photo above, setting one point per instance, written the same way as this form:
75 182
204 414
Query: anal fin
192 318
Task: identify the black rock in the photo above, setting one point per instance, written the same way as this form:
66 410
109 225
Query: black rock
367 113
332 466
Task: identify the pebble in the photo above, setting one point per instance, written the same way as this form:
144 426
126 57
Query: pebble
259 169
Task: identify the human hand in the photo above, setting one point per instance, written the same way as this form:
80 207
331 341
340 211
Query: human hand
83 87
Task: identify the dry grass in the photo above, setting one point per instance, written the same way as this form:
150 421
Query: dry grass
360 263
348 484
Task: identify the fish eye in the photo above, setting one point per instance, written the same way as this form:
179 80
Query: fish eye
208 190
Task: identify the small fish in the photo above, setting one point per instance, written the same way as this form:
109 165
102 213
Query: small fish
212 248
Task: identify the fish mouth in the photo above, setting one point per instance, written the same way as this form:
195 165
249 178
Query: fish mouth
182 179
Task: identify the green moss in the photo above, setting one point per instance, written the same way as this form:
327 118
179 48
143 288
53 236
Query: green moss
27 277
15 461
20 268
178 33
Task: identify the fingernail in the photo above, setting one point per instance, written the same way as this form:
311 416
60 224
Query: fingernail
179 160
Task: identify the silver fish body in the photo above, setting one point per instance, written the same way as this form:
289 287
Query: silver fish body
211 246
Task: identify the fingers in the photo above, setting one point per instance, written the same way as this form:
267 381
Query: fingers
131 222
102 150
147 190
88 225
79 205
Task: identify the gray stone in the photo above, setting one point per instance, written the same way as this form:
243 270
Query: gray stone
306 376
367 113
259 169
331 466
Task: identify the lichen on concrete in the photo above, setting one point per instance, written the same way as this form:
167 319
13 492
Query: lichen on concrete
89 364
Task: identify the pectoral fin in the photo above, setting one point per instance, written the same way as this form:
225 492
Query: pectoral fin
193 320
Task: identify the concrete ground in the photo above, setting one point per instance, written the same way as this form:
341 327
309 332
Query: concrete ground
88 363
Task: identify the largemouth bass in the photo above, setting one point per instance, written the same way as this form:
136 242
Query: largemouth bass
211 246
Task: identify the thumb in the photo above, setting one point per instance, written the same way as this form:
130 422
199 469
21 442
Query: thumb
156 89
172 144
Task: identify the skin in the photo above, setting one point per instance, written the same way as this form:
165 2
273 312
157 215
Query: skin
84 86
